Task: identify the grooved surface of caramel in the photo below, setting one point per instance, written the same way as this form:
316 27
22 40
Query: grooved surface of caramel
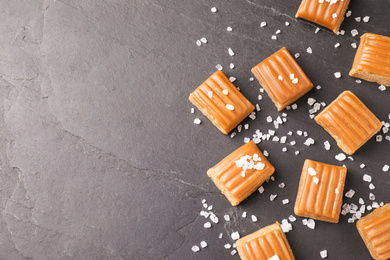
320 201
372 60
283 91
227 175
264 244
323 13
349 121
210 99
375 231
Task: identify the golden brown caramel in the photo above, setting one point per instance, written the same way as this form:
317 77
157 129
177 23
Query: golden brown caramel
327 14
321 200
264 244
375 231
231 180
214 104
372 60
276 75
349 122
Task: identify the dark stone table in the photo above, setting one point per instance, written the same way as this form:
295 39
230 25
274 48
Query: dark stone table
100 158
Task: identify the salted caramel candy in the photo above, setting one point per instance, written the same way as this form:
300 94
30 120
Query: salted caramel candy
241 173
221 102
282 78
327 13
265 244
375 232
372 59
320 191
349 122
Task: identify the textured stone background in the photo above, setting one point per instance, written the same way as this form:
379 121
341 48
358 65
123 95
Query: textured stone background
99 158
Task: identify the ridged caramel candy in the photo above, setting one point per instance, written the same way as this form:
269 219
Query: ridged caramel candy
274 75
214 104
229 179
325 13
264 244
372 60
375 231
349 122
321 200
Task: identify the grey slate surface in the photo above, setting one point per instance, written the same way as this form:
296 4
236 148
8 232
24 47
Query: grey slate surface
99 155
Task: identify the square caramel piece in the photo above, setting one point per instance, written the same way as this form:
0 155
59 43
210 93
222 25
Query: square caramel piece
221 102
375 231
282 78
265 244
327 13
241 173
372 59
320 191
349 122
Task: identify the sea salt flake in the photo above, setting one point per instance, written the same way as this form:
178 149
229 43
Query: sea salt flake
295 81
354 45
311 101
281 185
371 186
348 14
227 246
354 32
219 67
337 75
203 244
235 235
367 178
192 110
278 32
296 55
272 197
285 201
231 52
311 224
254 218
273 37
207 225
292 218
197 121
341 157
311 171
214 9
371 196
324 254
358 19
226 217
262 24
232 66
366 19
327 145
233 252
382 88
261 189
287 23
309 50
229 29
336 191
385 168
350 193
198 42
362 165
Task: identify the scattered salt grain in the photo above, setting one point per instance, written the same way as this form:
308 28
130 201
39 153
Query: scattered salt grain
336 191
371 186
341 157
225 91
382 88
309 50
337 75
287 23
311 171
229 29
348 14
358 19
316 180
227 246
311 224
295 81
385 168
244 214
220 235
327 145
292 218
261 189
203 244
311 101
317 30
309 141
231 52
294 106
358 81
195 249
207 225
226 217
367 178
219 67
233 252
366 19
296 55
235 235
278 32
371 196
354 32
272 197
275 257
273 37
198 42
285 201
232 66
350 193
197 121
354 45
214 9
281 185
251 79
280 77
192 110
334 15
262 24
254 218
324 254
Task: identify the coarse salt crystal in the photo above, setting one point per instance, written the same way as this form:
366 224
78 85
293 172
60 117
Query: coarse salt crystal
281 185
235 235
362 165
327 145
226 217
272 197
229 29
254 218
366 19
354 32
311 171
220 235
285 201
337 75
341 157
350 193
324 254
316 180
337 45
207 225
334 15
198 42
311 101
231 52
292 218
203 244
244 214
251 79
195 249
309 50
287 23
219 67
354 45
280 77
349 13
278 32
336 191
262 24
371 196
227 246
367 178
275 257
358 19
294 106
273 37
229 107
385 168
192 110
233 252
214 9
261 189
311 224
382 88
197 121
225 91
317 30
295 81
371 186
296 55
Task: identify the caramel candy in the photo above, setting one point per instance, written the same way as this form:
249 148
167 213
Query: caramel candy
375 231
349 122
241 172
329 14
320 191
372 60
264 244
282 78
221 102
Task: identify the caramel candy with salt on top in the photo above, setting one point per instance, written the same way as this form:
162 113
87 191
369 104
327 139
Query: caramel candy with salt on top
214 104
264 244
325 13
372 60
236 177
349 122
321 200
282 78
375 232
